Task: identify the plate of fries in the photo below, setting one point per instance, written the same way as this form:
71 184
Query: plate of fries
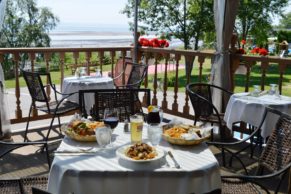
185 134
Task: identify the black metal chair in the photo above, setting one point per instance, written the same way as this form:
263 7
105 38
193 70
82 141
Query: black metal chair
275 158
38 95
27 185
200 95
131 76
125 100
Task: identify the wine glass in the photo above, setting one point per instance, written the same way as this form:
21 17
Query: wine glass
111 117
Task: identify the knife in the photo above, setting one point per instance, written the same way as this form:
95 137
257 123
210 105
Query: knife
177 165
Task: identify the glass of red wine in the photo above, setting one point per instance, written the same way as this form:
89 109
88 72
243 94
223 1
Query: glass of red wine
111 117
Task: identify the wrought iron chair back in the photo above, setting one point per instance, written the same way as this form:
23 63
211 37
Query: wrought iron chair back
37 92
125 100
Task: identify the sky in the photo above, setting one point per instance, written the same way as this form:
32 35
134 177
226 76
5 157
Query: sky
105 12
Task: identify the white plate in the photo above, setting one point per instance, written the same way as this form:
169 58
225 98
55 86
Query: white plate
121 153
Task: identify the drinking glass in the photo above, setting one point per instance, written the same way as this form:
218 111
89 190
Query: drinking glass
103 135
155 133
136 125
273 89
83 71
111 117
98 72
256 91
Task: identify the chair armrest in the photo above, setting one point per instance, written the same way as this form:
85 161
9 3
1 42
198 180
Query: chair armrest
228 144
258 177
13 146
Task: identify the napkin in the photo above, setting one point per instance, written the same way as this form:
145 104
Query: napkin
190 136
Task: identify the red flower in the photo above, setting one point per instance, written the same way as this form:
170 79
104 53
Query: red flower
243 42
153 42
255 50
241 51
263 52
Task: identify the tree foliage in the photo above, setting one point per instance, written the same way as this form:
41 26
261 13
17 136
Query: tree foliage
187 20
285 22
255 18
26 25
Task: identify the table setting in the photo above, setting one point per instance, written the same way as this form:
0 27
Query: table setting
83 81
136 160
249 107
140 159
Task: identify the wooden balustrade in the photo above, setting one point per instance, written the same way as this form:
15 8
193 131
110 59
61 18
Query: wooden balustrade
168 86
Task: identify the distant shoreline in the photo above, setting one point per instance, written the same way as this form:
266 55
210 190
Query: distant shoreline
90 33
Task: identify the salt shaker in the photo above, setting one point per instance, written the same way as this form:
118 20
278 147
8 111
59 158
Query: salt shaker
126 128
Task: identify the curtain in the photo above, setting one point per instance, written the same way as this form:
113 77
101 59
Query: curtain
224 16
5 130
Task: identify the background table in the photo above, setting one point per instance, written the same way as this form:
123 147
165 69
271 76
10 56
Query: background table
74 84
105 173
242 107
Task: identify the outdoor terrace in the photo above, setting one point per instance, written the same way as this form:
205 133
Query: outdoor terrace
167 66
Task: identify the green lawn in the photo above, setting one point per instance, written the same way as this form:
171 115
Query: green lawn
255 79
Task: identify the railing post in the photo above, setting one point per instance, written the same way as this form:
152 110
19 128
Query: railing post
88 61
62 61
112 54
201 60
145 97
165 87
32 58
101 59
264 66
155 100
175 104
47 57
186 106
76 57
18 111
282 70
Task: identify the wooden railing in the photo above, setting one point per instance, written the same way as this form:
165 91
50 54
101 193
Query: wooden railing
168 85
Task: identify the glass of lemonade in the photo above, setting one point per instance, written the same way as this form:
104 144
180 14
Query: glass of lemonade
136 125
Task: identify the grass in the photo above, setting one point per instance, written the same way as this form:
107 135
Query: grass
272 76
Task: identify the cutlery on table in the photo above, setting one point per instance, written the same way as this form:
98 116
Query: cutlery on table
177 165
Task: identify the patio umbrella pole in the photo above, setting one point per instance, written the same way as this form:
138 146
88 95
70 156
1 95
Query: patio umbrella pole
135 31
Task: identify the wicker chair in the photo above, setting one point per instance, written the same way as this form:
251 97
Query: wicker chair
28 185
132 75
37 92
118 70
125 100
275 158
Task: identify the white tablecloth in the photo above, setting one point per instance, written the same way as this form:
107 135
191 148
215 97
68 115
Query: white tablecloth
103 172
243 107
74 84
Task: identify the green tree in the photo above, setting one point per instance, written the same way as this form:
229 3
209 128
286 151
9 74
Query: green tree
26 25
285 22
254 18
187 20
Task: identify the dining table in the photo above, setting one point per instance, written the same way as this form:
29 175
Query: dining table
74 84
250 109
84 167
